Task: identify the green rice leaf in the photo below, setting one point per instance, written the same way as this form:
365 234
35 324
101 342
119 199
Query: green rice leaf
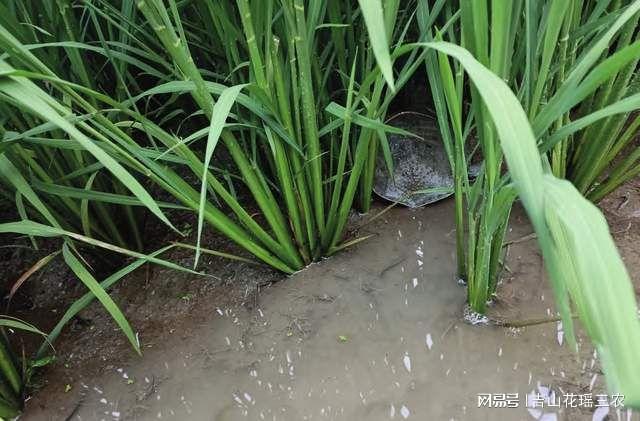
84 206
374 19
623 106
12 174
369 123
32 100
218 120
97 196
40 230
87 298
13 323
83 274
598 283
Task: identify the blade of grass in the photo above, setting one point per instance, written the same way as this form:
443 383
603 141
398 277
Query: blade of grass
373 14
218 119
83 274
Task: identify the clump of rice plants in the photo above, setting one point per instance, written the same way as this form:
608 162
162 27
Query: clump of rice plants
530 132
266 79
581 258
519 42
103 105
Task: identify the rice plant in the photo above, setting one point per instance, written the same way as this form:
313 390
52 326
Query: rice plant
270 102
579 253
54 36
297 59
518 41
528 131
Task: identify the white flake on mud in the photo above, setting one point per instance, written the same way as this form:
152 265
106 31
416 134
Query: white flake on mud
248 398
407 362
429 341
560 333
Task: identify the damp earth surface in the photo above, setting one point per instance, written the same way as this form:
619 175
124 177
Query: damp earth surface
374 333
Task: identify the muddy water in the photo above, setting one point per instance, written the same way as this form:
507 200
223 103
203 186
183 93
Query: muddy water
374 333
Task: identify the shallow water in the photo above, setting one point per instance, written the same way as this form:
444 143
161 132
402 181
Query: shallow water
375 333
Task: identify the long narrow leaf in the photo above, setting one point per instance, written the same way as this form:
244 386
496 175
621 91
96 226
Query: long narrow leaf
218 119
83 274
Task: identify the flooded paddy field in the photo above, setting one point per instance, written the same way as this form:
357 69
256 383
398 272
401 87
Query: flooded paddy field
196 219
373 333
